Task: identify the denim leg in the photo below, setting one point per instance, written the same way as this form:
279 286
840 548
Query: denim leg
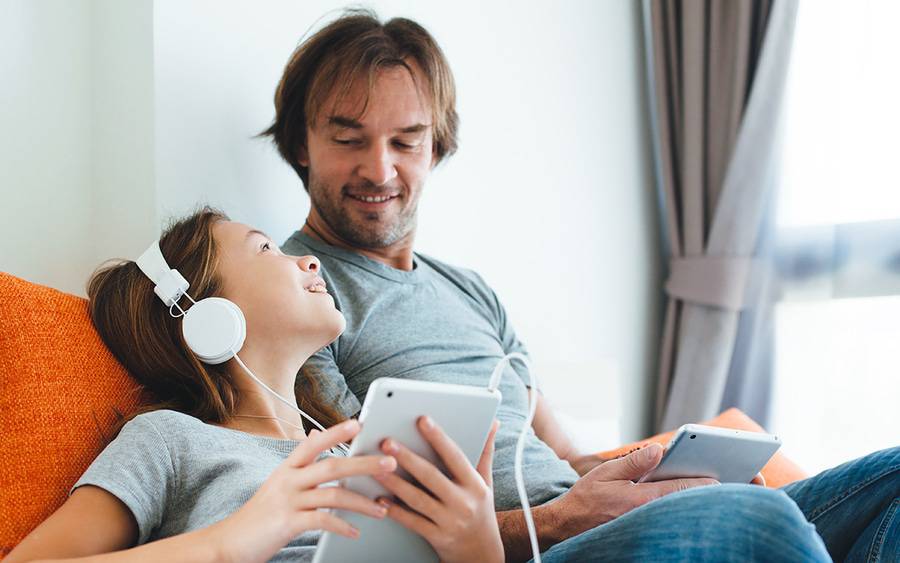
740 523
850 503
880 542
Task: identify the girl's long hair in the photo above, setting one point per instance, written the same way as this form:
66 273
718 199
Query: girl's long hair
147 340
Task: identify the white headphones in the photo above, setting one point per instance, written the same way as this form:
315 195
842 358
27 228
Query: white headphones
214 328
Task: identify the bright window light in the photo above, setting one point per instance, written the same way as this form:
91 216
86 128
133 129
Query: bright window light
837 365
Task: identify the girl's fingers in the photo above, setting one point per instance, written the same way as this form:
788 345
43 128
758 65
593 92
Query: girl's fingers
335 468
318 442
486 462
340 498
411 521
447 450
413 496
321 520
422 470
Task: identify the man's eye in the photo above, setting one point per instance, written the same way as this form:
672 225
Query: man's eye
403 145
266 246
346 141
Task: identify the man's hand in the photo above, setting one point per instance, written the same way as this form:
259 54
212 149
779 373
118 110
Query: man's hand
583 464
609 491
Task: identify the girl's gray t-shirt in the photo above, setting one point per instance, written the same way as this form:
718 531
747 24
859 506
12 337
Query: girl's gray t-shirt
177 474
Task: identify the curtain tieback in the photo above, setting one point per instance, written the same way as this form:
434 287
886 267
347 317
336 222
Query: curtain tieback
717 281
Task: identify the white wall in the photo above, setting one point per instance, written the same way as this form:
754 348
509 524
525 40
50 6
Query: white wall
549 196
76 148
124 212
45 141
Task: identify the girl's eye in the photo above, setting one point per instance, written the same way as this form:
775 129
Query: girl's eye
266 246
346 141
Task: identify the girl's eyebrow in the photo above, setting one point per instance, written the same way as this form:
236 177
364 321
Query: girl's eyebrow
252 232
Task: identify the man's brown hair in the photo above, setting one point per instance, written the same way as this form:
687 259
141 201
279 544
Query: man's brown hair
357 46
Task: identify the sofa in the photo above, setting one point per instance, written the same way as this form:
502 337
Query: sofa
61 389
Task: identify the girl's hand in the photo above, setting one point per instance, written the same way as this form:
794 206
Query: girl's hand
287 503
456 514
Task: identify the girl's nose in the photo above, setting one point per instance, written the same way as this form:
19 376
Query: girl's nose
309 263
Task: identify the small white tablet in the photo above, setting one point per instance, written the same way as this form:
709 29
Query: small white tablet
391 409
729 456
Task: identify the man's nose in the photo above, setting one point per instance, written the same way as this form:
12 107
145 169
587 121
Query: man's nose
378 165
309 264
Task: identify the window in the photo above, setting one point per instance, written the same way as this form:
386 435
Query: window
837 361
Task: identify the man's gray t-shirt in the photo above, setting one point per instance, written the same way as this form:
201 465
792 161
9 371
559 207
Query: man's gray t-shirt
177 474
434 323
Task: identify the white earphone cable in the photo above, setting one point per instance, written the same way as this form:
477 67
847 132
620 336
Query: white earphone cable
496 376
342 446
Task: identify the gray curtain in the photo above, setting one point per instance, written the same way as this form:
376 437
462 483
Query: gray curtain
716 72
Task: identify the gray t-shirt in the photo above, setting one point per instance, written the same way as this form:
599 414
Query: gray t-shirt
434 323
177 474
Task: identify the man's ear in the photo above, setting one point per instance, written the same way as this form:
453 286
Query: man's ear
303 157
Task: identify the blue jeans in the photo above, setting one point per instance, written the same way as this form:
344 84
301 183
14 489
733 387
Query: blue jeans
850 512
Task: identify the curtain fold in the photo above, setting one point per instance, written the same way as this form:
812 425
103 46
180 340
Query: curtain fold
716 71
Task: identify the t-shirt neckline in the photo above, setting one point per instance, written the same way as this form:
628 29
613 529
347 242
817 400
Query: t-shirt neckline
402 276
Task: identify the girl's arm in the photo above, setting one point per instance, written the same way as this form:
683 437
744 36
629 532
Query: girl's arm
93 522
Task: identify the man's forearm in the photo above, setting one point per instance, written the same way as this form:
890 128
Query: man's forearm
548 429
514 532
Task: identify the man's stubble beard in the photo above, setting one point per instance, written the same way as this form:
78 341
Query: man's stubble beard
372 233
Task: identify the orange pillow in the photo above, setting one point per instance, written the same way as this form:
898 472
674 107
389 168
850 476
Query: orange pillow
779 471
59 385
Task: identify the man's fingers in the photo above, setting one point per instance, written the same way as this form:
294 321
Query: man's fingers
631 467
485 463
335 468
663 488
340 498
759 480
318 442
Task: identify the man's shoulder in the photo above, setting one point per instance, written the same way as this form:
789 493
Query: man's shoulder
451 270
466 279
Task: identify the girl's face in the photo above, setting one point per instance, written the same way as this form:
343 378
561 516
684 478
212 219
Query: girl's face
282 297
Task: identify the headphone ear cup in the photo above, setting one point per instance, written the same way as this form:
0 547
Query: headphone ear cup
214 329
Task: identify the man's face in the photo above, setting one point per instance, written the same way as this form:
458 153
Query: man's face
366 174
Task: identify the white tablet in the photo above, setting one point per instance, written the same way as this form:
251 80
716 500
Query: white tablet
729 456
391 409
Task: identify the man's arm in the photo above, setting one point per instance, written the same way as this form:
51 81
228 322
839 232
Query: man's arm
605 493
548 429
514 532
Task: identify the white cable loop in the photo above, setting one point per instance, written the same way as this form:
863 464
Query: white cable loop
496 376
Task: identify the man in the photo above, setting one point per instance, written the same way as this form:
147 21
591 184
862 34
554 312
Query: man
364 112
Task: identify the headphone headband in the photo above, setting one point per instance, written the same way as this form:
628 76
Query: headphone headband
169 284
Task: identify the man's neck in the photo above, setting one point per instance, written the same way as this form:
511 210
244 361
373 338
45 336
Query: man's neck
398 255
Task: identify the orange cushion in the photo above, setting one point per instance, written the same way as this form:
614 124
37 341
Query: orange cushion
59 384
779 471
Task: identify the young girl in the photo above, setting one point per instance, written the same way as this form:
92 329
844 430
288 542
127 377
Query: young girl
219 469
